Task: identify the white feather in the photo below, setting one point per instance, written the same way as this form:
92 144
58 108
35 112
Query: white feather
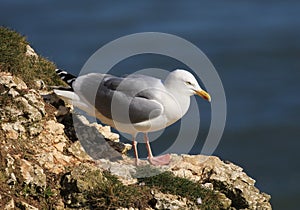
72 98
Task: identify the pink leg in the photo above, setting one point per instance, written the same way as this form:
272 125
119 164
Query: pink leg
136 154
159 160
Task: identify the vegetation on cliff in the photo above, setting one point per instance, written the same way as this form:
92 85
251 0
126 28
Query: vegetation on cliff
43 165
18 58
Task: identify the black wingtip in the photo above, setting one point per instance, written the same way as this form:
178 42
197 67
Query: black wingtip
65 76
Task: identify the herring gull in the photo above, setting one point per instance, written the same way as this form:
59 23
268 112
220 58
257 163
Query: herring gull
134 103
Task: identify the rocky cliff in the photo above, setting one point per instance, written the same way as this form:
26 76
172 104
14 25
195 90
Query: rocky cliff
44 166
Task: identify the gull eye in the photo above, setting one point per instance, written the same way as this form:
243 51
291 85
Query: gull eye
188 83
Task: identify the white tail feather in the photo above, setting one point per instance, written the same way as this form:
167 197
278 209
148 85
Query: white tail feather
72 98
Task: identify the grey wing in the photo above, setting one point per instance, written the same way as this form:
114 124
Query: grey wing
125 100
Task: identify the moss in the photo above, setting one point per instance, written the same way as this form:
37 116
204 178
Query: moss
168 183
116 194
13 59
100 190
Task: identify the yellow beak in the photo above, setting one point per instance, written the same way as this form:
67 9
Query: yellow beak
203 94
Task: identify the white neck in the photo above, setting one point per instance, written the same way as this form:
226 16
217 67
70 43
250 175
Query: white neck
179 103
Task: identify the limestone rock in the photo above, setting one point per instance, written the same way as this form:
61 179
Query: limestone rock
9 130
9 170
30 113
30 52
10 205
54 128
172 202
21 107
55 161
32 174
12 92
123 170
81 179
9 81
106 132
35 99
27 206
39 146
225 202
39 84
77 150
227 178
94 142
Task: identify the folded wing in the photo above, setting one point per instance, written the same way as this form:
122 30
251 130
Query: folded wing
131 99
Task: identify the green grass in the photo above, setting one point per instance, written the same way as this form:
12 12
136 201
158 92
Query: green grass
168 183
111 193
102 190
13 59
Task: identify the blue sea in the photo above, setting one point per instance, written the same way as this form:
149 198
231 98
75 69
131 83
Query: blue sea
254 46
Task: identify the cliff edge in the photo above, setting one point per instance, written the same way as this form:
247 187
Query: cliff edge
43 165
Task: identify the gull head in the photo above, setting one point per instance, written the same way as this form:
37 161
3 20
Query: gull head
183 81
